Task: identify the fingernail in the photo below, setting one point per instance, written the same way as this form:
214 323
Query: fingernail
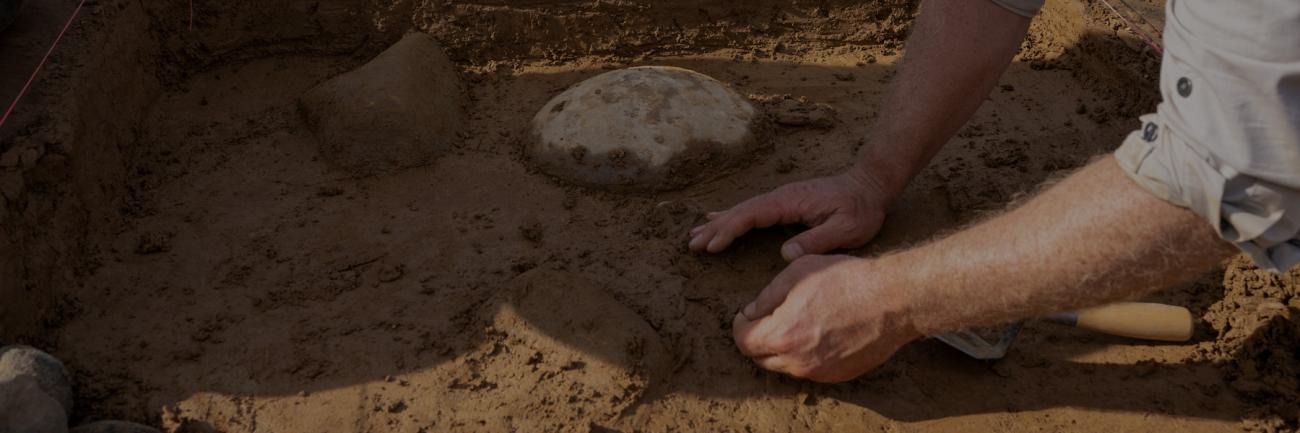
715 244
696 231
749 311
791 251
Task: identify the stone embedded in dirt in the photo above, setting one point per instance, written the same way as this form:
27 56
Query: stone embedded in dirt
114 427
50 374
26 408
652 128
403 109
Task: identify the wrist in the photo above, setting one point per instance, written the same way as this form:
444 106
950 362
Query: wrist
881 183
892 296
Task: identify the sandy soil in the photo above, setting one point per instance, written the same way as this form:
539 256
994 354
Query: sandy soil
244 284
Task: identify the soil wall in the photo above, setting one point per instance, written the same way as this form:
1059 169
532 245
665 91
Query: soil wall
62 173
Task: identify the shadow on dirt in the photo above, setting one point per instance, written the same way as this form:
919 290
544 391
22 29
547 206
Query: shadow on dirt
289 286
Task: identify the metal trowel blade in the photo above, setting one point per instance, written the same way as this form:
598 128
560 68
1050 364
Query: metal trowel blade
977 347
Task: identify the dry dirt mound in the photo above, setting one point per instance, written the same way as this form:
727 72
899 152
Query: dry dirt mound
1258 325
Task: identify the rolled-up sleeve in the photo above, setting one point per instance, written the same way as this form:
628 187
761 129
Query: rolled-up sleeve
1027 8
1224 141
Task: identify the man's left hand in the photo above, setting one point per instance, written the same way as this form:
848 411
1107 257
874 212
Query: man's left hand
824 318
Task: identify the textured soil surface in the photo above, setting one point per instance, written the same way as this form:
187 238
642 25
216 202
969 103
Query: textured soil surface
224 276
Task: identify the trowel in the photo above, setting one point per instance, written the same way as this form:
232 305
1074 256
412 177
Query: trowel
1140 320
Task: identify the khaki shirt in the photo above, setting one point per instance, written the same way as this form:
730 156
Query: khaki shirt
1225 141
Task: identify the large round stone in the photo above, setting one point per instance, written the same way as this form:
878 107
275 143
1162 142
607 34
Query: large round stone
650 128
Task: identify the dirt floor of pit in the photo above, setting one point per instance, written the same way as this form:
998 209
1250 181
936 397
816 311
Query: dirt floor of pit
252 287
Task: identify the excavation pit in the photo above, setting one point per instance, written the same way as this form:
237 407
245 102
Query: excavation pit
173 230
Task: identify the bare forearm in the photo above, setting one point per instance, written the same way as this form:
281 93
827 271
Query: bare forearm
954 57
1094 238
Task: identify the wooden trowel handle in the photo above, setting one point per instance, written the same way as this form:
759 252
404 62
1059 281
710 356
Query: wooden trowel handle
1138 320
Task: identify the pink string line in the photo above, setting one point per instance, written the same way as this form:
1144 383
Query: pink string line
1158 30
1136 30
41 65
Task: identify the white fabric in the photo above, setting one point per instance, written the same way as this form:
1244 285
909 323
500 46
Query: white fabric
1227 142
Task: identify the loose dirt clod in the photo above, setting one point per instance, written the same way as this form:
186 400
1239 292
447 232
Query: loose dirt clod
647 128
798 113
401 110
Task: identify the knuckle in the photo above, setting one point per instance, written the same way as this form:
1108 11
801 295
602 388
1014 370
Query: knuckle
785 343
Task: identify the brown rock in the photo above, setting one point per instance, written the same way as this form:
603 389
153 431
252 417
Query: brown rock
401 110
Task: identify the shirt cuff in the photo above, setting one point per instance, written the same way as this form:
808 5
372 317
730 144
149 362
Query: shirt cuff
1259 217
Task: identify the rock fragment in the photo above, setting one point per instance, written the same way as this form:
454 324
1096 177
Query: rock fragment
48 373
401 110
26 408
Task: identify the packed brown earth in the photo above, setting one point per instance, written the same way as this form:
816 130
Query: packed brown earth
170 229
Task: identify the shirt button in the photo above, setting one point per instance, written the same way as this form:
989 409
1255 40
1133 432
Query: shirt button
1184 87
1149 133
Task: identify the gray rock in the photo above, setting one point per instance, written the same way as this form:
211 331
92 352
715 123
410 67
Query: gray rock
402 109
645 128
114 427
50 374
26 408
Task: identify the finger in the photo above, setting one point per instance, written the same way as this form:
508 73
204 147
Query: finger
758 212
771 297
839 231
750 337
700 238
777 363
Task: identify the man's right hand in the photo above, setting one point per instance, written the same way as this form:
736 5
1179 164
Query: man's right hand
843 211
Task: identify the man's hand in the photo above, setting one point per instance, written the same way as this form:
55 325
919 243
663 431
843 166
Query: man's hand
955 55
844 211
825 320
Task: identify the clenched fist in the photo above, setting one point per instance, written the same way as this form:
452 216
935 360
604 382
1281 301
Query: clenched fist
825 318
